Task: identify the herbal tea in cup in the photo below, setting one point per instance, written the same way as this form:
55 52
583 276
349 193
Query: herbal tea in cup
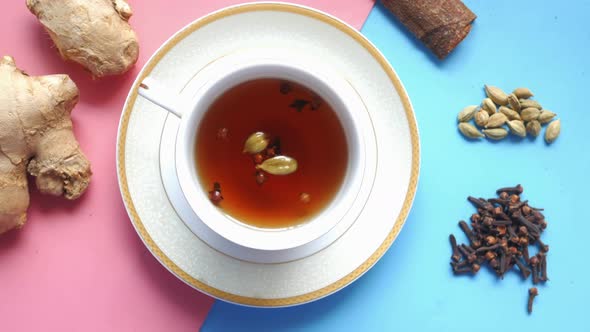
271 153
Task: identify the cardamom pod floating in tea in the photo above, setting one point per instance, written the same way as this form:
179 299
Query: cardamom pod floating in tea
552 131
496 94
467 113
256 143
517 128
522 93
279 165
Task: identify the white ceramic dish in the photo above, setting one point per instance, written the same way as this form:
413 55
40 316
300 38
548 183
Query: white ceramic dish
302 31
179 172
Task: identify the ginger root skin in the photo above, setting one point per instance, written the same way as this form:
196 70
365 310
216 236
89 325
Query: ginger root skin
36 136
94 33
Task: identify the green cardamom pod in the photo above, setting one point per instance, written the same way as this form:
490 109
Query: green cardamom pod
514 102
467 113
552 131
517 128
522 93
279 165
256 143
469 130
546 116
481 118
496 120
527 103
533 128
530 114
510 113
496 133
488 105
496 94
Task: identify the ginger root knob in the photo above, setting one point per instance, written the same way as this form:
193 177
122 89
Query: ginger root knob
93 33
36 136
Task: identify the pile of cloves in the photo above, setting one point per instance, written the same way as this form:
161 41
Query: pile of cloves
500 235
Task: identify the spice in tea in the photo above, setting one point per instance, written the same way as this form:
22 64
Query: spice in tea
276 148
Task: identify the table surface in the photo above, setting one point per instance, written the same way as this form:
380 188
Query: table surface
80 266
541 45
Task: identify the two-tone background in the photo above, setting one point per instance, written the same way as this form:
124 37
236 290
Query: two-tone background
80 266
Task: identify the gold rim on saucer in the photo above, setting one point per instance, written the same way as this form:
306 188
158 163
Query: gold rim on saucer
367 264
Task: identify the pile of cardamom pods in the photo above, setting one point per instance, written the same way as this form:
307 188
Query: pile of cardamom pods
517 114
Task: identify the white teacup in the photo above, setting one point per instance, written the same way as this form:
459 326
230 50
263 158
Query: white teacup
238 239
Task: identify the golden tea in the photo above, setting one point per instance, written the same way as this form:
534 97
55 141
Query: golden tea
271 153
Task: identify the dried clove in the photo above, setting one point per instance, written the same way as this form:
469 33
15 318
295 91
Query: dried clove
543 267
525 254
487 249
502 269
532 293
456 256
501 222
524 270
299 104
465 250
465 228
499 236
275 144
511 190
542 246
285 88
535 266
316 103
215 195
483 204
258 158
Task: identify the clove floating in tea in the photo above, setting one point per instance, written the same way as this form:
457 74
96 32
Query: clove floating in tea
215 195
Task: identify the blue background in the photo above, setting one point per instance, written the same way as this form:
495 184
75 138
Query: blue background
542 45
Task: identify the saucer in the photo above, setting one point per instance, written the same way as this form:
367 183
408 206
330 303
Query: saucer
143 129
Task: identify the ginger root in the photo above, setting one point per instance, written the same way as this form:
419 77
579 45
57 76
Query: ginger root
93 33
36 136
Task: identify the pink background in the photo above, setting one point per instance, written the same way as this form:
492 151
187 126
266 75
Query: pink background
79 266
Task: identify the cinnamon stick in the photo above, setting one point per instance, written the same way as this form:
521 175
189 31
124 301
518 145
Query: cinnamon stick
440 24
